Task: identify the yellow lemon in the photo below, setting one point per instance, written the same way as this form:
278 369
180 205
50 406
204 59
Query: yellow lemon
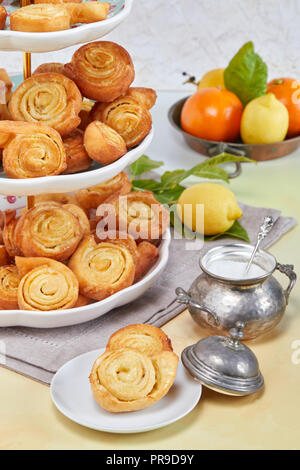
213 78
220 208
264 120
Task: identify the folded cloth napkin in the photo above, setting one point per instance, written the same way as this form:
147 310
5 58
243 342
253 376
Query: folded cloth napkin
38 353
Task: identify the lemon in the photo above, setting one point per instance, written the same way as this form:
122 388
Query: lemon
220 208
264 120
213 78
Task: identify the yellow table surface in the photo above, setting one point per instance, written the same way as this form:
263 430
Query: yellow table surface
267 420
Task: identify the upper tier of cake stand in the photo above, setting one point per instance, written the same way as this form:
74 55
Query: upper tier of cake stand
47 42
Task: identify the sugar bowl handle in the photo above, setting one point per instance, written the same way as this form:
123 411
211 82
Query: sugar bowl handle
184 298
288 270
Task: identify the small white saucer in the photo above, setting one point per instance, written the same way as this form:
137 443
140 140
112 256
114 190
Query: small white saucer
71 393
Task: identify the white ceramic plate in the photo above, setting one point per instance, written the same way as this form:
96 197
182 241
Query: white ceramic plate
71 393
73 316
46 42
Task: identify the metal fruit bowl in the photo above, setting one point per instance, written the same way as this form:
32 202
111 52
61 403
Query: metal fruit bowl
259 152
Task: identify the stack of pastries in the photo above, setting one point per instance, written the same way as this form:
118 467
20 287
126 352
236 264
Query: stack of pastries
66 116
62 253
136 370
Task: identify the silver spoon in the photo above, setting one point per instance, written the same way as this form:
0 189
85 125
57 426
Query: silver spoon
263 232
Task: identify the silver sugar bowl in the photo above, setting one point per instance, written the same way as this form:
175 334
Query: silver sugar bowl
224 364
217 301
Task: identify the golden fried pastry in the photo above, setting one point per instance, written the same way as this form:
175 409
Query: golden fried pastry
51 67
77 157
40 18
119 238
4 258
49 98
8 233
87 12
144 338
1 227
31 150
4 113
81 301
60 198
127 117
9 282
129 380
5 87
144 96
91 198
48 230
85 114
57 1
102 70
3 15
139 214
147 257
81 217
45 285
103 143
102 269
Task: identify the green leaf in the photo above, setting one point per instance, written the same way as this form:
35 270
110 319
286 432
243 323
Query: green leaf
169 196
212 173
246 75
144 164
146 185
169 178
225 157
236 231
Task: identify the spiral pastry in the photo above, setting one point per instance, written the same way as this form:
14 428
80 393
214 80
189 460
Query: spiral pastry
127 117
81 217
102 70
84 114
59 198
50 67
31 150
8 233
139 214
102 269
147 257
3 16
40 18
9 282
49 98
46 285
144 338
4 258
119 238
48 230
91 198
103 143
76 154
129 380
145 96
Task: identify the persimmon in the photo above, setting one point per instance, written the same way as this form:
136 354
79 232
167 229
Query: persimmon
287 90
212 114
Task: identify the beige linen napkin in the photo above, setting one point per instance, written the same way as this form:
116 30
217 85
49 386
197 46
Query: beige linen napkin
38 353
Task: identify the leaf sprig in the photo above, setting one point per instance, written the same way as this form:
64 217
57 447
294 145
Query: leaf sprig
168 188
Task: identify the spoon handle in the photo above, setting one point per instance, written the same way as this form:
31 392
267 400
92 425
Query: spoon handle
263 232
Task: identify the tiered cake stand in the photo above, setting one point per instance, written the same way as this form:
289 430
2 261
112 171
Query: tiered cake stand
45 42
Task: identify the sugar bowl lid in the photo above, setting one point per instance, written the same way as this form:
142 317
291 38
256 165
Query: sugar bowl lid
224 364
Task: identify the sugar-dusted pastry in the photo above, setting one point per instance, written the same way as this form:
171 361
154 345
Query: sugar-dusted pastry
127 117
145 338
91 198
102 70
145 96
4 258
147 257
77 157
139 214
48 230
87 12
84 114
40 18
51 67
81 216
45 285
3 15
31 150
8 233
103 143
48 98
137 369
102 269
9 282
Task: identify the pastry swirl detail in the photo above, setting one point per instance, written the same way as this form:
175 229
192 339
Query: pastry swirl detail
9 282
102 70
102 269
49 98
